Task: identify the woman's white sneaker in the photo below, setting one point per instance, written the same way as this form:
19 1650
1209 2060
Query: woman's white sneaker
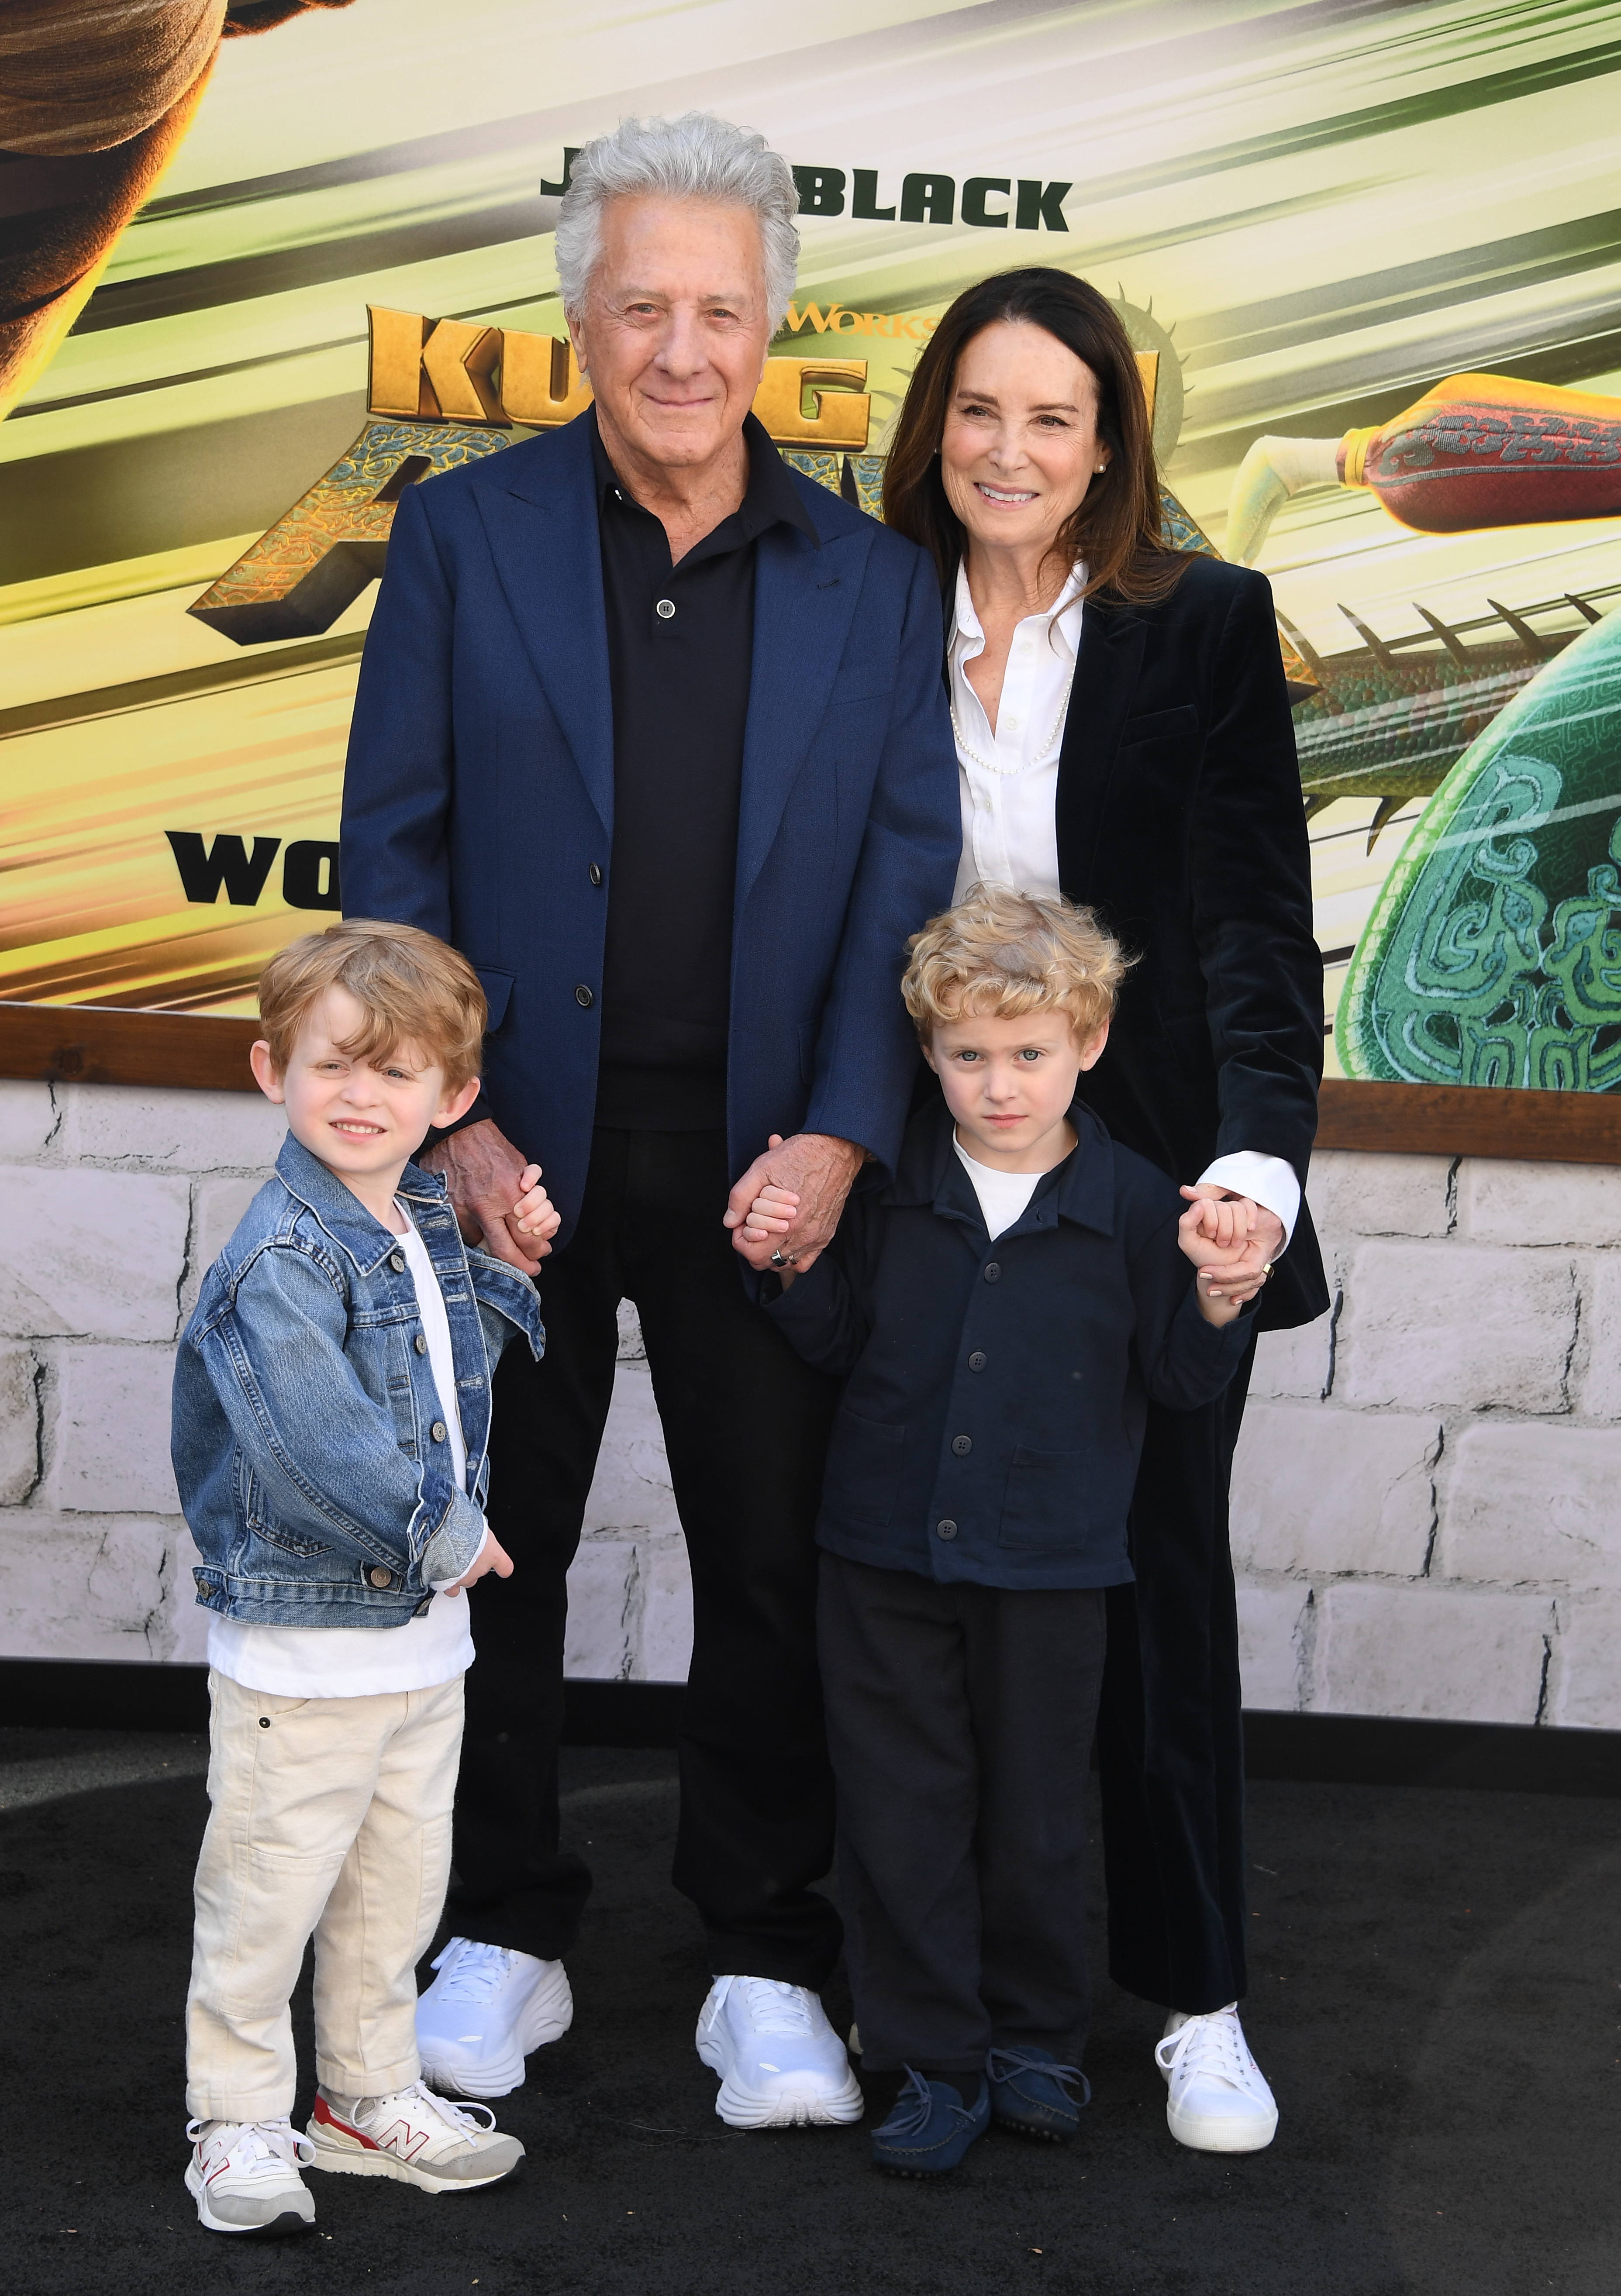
414 2137
781 2064
243 2176
1219 2101
486 2010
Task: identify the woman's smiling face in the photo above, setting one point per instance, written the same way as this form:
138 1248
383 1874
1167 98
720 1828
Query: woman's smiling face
1020 446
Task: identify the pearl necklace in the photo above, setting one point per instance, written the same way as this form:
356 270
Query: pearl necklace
987 766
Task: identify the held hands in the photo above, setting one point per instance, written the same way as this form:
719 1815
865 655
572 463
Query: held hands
495 1195
790 1199
491 1556
1230 1242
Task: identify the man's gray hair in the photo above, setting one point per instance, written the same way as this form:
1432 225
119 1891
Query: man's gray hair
696 157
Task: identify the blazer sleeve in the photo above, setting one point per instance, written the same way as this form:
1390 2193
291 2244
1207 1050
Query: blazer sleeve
1252 897
867 1052
394 853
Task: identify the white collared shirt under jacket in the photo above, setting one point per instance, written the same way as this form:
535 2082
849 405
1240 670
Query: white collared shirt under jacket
1008 785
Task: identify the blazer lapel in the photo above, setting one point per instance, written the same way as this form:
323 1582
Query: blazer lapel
544 538
1106 665
804 601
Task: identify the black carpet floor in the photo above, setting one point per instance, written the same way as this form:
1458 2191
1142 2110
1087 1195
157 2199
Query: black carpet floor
1437 1998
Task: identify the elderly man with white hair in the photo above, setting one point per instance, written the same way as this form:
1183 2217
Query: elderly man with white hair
652 729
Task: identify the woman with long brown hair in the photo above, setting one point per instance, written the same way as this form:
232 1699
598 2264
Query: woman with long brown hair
1124 737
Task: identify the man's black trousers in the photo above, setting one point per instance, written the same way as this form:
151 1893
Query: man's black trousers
1170 1730
746 1426
961 1722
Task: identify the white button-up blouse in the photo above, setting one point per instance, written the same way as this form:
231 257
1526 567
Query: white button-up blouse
1008 785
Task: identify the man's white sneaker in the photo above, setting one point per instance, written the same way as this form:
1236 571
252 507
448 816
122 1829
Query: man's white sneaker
1219 2101
243 2176
781 2064
414 2137
485 2010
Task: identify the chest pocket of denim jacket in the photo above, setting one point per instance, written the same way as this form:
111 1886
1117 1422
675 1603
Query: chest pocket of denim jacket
863 1475
1044 1503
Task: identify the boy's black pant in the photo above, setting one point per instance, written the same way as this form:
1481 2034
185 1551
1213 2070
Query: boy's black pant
745 1425
960 1720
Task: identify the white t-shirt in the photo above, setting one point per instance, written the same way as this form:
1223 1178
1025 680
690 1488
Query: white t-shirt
1002 1195
360 1661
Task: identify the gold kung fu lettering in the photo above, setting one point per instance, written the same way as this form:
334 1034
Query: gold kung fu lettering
442 393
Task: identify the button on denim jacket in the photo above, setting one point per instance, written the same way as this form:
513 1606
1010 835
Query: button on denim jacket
308 1441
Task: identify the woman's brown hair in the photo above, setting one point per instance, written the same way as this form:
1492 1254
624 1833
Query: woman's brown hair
1117 527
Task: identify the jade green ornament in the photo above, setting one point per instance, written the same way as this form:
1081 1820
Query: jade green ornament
1493 956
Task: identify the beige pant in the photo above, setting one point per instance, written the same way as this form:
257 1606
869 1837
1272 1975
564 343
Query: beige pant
330 1815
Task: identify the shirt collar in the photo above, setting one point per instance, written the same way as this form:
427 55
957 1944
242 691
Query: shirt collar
1080 1189
966 625
770 498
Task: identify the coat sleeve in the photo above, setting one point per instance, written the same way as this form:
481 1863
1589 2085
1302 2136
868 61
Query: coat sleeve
335 1472
826 1313
1251 898
399 776
1185 1361
866 1055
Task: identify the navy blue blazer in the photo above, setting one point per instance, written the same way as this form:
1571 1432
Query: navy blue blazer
995 1394
478 800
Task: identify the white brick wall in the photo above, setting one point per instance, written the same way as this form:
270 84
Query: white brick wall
1425 1511
113 1202
1426 1517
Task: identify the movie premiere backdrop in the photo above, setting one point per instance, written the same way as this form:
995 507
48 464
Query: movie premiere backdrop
264 266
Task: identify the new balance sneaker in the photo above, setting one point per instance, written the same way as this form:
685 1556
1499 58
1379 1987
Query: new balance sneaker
414 2137
1219 2101
781 2064
1030 2091
243 2176
485 2010
929 2127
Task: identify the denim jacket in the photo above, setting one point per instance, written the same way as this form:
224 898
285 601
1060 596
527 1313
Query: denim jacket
312 1458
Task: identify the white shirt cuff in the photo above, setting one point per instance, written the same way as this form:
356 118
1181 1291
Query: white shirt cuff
439 1585
1266 1180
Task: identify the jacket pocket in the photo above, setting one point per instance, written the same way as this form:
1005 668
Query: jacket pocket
1044 1503
1157 723
498 988
863 1472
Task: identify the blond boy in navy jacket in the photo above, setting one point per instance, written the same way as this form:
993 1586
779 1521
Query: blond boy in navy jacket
1001 1311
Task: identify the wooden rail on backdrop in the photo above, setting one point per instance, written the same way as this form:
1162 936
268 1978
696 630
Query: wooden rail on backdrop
99 1044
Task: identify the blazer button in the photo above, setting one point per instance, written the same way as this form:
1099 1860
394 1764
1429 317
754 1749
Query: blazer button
962 1445
946 1529
993 1274
438 1430
976 1361
397 1262
420 1344
595 872
583 997
379 1577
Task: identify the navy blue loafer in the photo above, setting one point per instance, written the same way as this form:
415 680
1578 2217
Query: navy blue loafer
1032 2091
930 2129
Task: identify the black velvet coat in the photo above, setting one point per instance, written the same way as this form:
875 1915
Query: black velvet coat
1180 820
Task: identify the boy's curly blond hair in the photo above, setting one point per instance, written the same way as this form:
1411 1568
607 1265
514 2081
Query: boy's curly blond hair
1000 955
414 990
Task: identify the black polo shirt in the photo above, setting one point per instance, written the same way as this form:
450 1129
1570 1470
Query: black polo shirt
680 654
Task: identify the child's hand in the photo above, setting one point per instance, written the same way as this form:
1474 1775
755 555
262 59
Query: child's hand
491 1556
767 1217
534 1216
1228 1276
1224 1222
